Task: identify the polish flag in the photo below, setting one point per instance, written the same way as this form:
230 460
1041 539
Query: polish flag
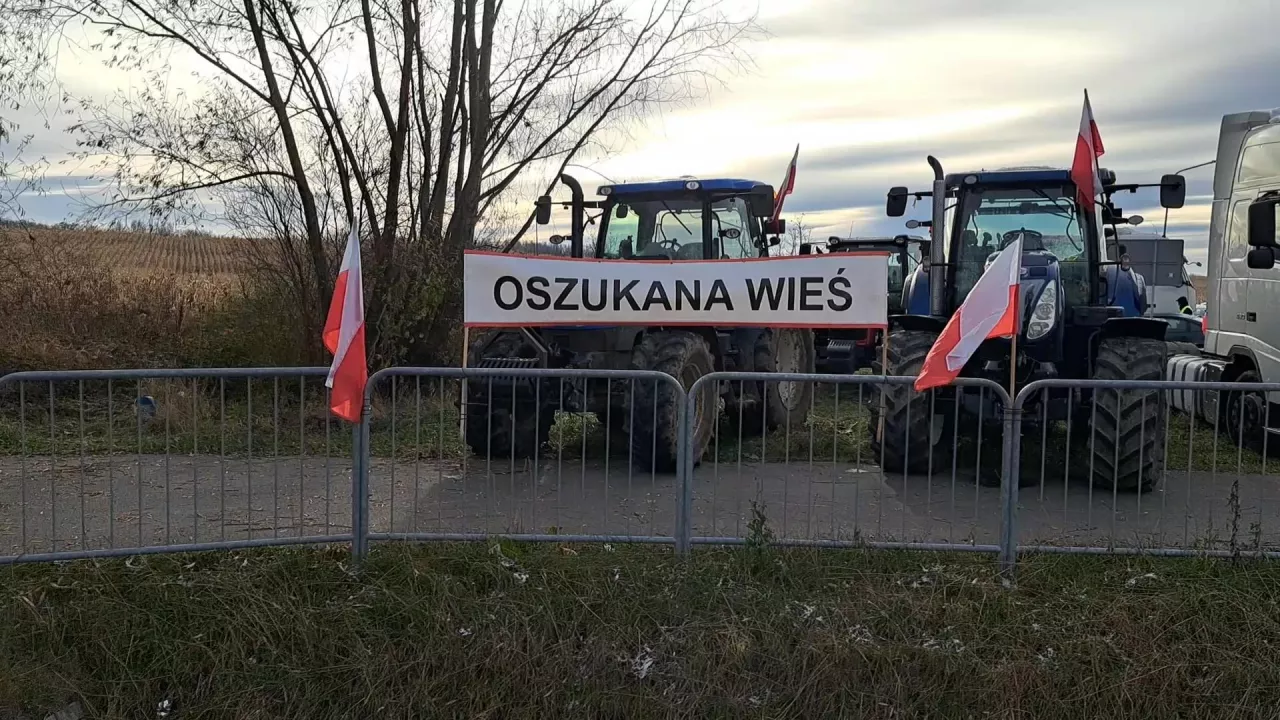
990 311
788 185
344 335
1084 167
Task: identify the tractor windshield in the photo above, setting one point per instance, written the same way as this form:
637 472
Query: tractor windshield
672 229
1046 219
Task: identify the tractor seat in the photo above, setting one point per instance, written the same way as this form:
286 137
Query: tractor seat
690 251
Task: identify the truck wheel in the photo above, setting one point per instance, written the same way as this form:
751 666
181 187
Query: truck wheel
1245 416
786 402
503 417
653 422
913 431
1128 433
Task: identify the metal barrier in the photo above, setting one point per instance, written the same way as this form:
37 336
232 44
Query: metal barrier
810 476
128 462
545 455
1177 482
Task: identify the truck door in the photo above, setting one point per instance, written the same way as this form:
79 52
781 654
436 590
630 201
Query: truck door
1229 310
1262 323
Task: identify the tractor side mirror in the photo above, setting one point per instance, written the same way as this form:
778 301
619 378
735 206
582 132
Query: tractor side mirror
731 233
621 213
1262 222
760 201
542 211
1261 258
896 204
557 239
1173 191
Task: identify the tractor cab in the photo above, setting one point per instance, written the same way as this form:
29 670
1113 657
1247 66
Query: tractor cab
681 219
1067 282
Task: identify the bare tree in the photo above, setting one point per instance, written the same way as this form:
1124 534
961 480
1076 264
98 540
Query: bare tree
419 116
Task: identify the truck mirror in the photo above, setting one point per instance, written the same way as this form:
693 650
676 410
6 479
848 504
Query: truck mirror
1173 191
1262 222
542 211
1261 258
896 204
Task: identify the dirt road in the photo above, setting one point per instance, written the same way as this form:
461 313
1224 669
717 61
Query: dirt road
135 501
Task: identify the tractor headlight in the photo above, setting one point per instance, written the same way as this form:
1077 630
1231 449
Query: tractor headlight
1045 313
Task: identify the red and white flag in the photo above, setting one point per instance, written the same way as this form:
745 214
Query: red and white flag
990 311
788 185
344 335
1084 167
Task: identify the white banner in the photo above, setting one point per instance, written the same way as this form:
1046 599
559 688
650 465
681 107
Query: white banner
836 290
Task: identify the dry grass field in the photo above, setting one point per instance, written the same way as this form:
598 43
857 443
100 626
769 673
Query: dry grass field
83 298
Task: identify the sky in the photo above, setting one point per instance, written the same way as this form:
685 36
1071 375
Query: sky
868 88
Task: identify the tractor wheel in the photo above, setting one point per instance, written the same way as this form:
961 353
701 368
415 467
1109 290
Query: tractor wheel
1182 348
914 435
653 422
499 434
503 417
786 402
1128 433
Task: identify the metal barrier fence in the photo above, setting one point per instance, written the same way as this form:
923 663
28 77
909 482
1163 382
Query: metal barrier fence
544 455
811 477
102 463
1189 476
128 462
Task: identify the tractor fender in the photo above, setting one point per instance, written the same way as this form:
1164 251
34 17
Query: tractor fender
919 323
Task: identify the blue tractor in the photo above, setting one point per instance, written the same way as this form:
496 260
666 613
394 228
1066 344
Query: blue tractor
682 219
1070 325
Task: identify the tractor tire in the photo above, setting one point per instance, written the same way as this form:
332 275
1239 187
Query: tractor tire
1128 434
909 438
1182 348
653 423
785 403
505 425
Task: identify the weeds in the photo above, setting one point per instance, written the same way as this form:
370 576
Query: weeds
516 631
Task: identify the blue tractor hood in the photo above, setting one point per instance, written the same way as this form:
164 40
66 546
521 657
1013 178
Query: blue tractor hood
1038 268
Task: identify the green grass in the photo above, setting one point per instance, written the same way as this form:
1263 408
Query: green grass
518 631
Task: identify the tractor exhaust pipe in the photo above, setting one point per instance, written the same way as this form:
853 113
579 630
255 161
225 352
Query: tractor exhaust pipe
937 258
578 211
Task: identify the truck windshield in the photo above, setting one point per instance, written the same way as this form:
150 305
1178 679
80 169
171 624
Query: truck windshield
672 229
987 220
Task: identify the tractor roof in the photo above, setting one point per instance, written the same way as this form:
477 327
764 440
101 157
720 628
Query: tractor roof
681 185
1018 176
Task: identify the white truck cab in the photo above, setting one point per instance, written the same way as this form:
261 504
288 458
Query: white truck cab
1242 338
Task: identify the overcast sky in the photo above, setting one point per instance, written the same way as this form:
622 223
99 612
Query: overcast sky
868 88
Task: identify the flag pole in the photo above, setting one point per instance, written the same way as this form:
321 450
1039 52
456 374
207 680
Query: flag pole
462 416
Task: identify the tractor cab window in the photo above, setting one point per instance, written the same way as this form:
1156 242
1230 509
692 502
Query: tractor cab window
731 230
1046 219
672 229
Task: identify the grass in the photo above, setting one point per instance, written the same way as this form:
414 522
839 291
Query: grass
518 631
